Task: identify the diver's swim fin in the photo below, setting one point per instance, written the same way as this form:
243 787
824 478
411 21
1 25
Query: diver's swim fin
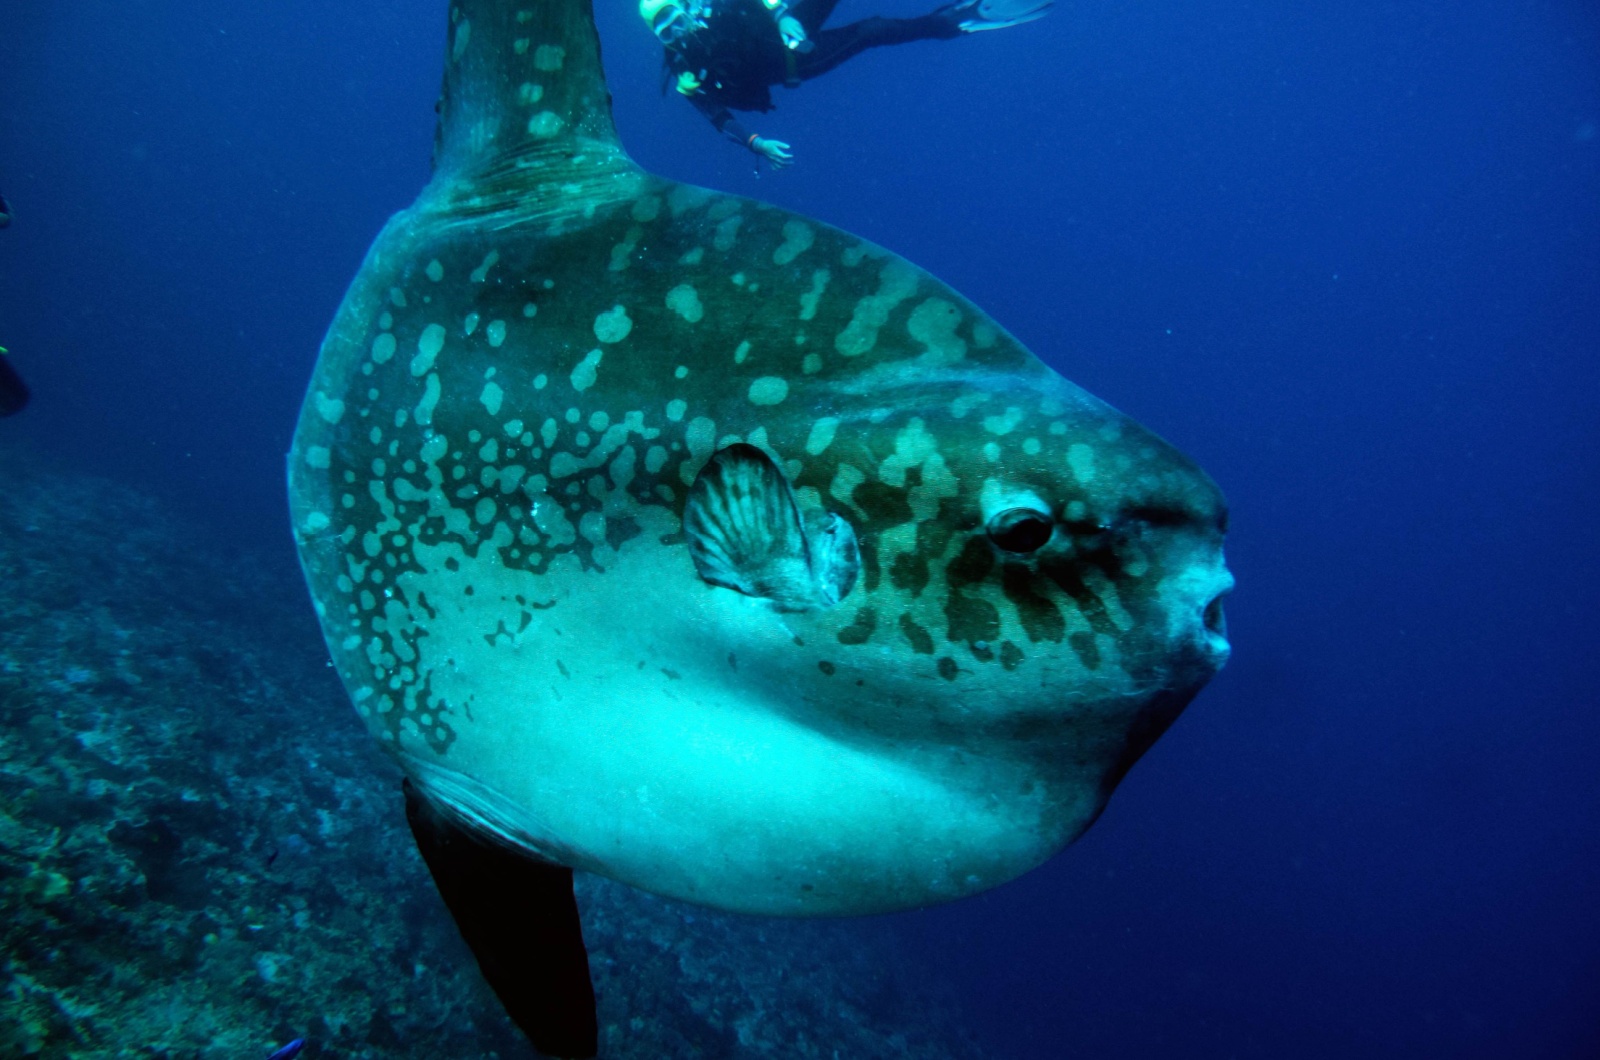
520 919
13 391
975 16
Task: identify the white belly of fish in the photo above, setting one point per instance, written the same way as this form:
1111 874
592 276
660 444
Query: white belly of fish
640 724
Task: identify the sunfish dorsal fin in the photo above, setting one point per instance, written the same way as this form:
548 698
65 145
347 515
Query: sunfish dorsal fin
746 533
520 76
524 112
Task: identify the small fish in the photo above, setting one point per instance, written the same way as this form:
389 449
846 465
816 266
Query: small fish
5 212
289 1051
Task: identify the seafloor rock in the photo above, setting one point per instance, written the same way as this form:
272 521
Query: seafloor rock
203 855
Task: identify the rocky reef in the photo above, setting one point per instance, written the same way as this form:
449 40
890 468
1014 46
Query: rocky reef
202 854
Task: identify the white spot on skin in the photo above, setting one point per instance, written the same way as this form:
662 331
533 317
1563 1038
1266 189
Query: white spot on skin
491 397
811 364
681 372
529 93
693 256
896 283
809 300
1003 424
481 273
495 332
583 376
769 390
742 352
330 409
676 408
471 323
797 239
655 458
316 522
1080 458
429 344
430 399
845 481
613 325
821 435
318 456
646 209
966 403
383 348
700 437
435 271
991 452
933 323
1030 446
685 301
549 57
544 125
912 445
727 233
458 47
622 253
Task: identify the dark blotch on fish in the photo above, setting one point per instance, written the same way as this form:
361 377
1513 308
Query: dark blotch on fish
921 640
860 631
1088 651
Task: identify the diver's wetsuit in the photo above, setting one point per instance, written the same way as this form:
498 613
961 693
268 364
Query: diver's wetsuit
742 57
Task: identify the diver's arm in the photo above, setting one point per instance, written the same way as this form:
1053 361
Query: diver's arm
721 118
774 151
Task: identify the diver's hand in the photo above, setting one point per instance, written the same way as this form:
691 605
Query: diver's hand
775 151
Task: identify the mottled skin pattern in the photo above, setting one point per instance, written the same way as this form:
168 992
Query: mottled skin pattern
488 484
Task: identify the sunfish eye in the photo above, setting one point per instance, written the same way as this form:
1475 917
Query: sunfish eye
1020 530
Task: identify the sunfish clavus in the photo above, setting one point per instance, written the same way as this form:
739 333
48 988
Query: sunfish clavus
671 536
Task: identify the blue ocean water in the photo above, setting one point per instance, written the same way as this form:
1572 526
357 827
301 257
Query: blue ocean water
1347 257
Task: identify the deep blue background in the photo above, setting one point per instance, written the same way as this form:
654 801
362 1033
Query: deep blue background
1346 255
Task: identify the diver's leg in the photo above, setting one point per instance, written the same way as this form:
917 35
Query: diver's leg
812 14
834 46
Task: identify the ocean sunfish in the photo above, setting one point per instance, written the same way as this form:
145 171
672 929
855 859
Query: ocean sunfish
671 536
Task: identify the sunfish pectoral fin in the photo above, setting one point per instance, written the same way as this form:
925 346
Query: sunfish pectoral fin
520 919
746 533
13 391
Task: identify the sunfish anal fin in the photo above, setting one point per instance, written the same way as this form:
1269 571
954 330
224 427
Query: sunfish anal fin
746 533
13 391
520 919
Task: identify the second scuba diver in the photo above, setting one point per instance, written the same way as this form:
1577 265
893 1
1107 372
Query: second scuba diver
725 55
13 391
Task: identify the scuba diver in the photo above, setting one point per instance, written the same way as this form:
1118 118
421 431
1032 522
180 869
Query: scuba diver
725 55
13 391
